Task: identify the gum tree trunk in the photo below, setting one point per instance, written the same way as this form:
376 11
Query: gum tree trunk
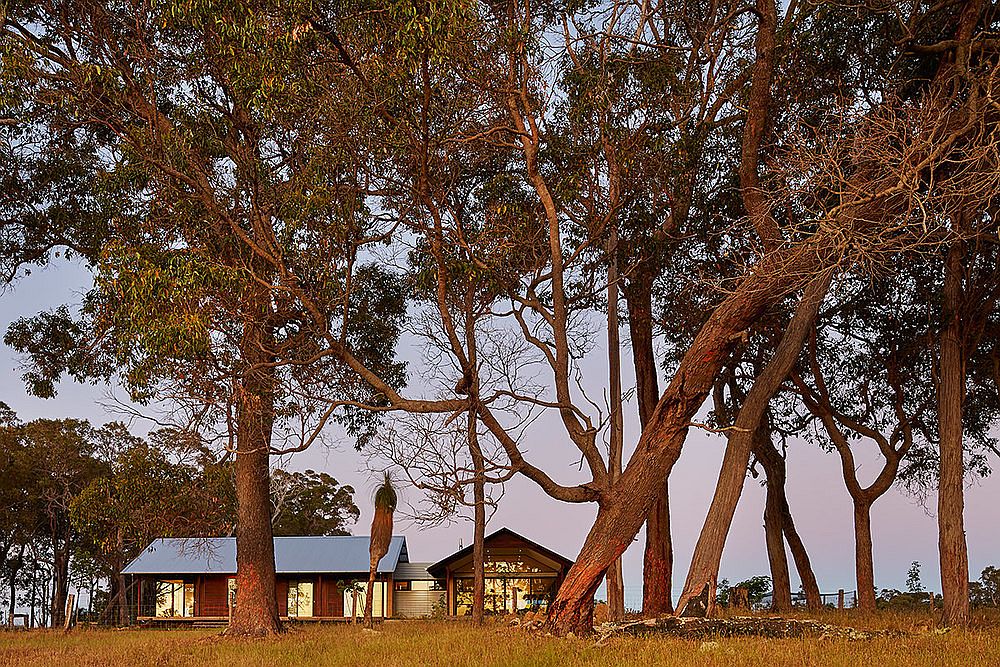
708 552
781 598
479 521
615 581
814 601
952 546
658 557
864 566
623 508
256 611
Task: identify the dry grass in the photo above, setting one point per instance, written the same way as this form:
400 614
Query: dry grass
405 644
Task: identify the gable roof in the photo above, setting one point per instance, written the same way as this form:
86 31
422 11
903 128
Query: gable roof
292 555
438 569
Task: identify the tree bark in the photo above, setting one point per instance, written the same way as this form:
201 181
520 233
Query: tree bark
952 546
658 557
708 551
814 601
256 611
623 509
781 584
479 521
60 577
615 582
123 615
864 566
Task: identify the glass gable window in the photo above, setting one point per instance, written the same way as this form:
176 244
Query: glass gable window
174 598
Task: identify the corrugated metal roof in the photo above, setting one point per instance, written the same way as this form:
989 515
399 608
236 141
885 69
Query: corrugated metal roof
412 572
292 555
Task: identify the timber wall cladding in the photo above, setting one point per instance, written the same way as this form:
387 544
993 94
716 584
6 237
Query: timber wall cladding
281 592
214 591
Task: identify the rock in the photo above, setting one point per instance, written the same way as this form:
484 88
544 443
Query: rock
512 620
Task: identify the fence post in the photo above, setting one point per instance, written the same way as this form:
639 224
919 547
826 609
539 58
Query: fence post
840 599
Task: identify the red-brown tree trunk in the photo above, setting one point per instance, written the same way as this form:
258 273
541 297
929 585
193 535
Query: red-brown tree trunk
623 509
60 577
256 611
814 601
952 546
479 523
658 556
708 551
864 566
781 584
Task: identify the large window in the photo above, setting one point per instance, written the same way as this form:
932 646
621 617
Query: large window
300 599
506 595
354 599
174 598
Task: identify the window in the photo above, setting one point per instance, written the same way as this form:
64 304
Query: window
300 599
504 595
433 585
403 585
354 598
174 598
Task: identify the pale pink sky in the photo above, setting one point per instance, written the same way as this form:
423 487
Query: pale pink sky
903 530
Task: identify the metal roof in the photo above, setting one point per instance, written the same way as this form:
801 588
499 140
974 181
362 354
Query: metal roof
412 572
292 555
438 569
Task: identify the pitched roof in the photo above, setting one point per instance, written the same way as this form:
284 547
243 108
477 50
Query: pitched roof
438 568
292 555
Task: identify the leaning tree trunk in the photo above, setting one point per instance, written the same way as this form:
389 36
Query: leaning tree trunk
952 546
658 557
864 566
781 584
708 551
623 508
774 466
255 613
814 601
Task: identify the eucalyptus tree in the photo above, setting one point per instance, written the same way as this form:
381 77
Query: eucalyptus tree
866 376
236 276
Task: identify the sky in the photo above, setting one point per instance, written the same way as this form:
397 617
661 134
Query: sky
903 530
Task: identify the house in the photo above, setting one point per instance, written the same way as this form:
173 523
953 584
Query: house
520 575
325 578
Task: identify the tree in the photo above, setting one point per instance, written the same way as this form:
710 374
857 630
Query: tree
233 280
143 495
913 583
311 503
381 536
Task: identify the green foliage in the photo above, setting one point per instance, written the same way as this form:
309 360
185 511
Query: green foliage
913 583
311 503
385 495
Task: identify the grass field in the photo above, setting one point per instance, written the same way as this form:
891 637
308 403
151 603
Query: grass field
443 643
